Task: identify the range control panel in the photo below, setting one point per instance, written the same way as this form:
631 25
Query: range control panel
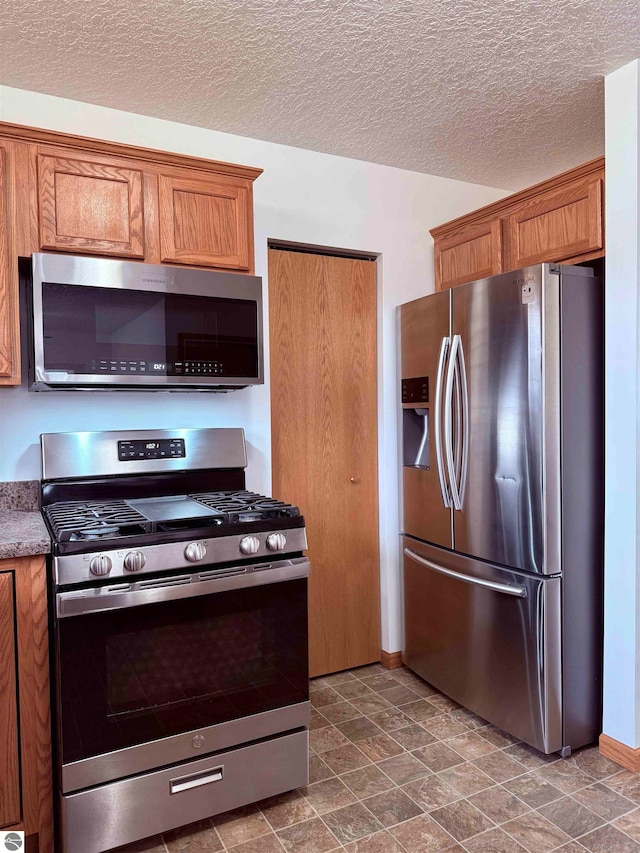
165 448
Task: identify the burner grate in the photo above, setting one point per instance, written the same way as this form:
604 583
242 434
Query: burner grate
78 520
244 505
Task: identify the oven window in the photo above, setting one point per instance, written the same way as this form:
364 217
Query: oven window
104 330
134 675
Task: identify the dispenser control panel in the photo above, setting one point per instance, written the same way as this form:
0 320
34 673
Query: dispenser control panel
415 390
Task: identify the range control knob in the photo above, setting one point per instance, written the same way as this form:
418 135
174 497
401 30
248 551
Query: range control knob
276 542
100 565
195 551
249 545
134 561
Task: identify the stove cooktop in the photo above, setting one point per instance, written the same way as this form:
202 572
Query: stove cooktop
109 521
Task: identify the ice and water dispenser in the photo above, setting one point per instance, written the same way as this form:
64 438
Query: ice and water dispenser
416 422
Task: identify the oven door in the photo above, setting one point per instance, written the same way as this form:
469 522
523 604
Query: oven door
161 670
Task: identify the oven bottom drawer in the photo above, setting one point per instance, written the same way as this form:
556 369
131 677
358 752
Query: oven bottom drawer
101 818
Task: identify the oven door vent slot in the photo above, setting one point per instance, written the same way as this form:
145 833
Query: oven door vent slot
222 573
161 583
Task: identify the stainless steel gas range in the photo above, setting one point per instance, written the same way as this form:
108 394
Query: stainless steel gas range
179 632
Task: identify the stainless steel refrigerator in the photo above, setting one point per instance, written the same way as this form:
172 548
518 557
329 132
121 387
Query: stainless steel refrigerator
502 430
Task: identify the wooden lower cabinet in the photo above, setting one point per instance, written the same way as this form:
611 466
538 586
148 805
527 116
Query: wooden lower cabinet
9 744
26 797
559 220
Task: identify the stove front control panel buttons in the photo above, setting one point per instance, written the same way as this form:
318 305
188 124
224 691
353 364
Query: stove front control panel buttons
165 448
134 561
276 542
195 552
100 565
249 545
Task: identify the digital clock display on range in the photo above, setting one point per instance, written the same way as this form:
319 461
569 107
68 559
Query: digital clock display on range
165 448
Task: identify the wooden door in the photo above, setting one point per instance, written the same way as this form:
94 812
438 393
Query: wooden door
9 766
206 221
86 205
473 252
558 225
324 442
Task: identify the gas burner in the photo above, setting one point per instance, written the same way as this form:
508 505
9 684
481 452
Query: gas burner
74 521
84 521
242 506
102 532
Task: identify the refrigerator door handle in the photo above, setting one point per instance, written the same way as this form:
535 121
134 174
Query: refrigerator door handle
507 589
444 346
465 424
448 423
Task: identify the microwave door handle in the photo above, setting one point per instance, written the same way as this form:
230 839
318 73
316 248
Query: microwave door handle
82 602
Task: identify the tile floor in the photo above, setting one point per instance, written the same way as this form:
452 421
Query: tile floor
396 767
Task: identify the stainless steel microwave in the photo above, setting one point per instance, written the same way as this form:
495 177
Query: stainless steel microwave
114 325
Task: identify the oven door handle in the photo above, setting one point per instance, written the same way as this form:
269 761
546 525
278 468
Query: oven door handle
105 598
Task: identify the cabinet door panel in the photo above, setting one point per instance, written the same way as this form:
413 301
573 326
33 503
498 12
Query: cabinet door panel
9 318
558 225
205 222
474 252
5 301
9 766
88 206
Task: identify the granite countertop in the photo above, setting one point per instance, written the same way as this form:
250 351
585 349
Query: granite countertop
22 530
22 534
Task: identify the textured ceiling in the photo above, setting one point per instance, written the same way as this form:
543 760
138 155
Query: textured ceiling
498 92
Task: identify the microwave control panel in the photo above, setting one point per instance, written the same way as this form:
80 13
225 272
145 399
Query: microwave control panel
157 368
165 448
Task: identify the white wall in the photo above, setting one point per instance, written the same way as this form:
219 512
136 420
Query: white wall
302 196
622 375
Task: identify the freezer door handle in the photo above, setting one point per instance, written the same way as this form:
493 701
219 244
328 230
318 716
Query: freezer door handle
444 346
507 589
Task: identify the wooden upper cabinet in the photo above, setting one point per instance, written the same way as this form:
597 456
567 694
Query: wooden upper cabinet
206 221
556 226
475 252
9 320
10 812
90 206
558 220
5 271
